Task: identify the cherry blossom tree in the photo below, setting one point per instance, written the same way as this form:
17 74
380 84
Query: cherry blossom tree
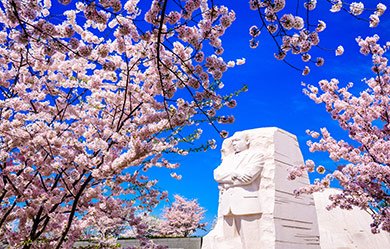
90 98
364 160
182 218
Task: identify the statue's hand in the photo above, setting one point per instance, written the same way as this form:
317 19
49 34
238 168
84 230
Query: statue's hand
234 176
244 178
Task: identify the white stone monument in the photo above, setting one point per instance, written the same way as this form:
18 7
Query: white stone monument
257 208
346 229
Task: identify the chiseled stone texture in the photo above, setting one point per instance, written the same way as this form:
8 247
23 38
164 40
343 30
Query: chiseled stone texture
346 229
286 222
295 219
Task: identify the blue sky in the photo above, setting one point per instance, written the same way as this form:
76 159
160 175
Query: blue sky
275 97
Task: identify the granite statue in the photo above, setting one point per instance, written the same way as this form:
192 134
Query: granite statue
257 207
238 179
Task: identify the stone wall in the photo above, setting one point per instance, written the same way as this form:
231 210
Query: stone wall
172 243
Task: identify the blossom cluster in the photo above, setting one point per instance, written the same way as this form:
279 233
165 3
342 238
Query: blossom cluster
297 34
357 8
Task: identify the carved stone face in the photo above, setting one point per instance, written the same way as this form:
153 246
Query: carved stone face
239 144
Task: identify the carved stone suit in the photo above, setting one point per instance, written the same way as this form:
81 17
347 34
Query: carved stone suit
236 197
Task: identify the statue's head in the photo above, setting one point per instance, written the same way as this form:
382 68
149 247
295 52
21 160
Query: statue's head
240 142
256 141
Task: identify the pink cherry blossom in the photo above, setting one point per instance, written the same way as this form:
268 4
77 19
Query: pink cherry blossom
306 71
337 5
339 50
380 9
356 8
374 20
